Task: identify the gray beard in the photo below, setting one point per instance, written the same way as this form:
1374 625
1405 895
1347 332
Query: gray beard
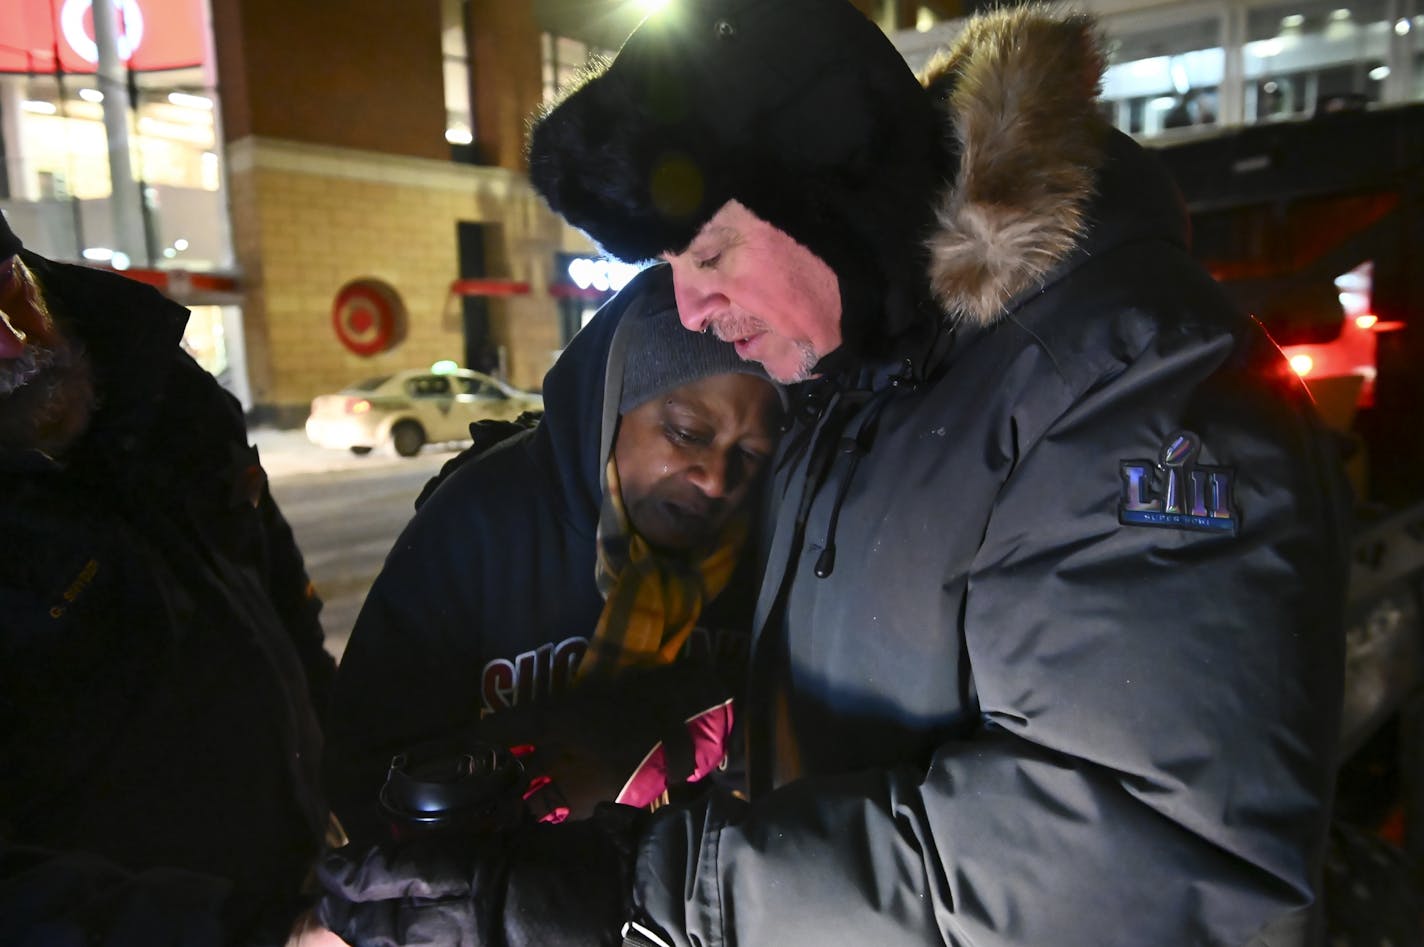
805 368
15 373
733 328
46 398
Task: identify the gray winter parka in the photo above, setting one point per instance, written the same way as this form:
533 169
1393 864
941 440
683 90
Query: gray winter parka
1049 645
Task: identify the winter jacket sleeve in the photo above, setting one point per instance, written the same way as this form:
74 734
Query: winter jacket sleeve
203 424
296 600
410 671
1158 710
290 589
475 576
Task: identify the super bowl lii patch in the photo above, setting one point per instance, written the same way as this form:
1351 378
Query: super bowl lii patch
1174 492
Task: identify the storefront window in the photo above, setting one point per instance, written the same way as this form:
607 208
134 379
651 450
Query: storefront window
56 184
582 284
1165 77
213 337
455 58
564 59
1178 65
1309 55
204 338
1415 85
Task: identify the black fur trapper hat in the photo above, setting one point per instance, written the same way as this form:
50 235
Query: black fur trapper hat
802 110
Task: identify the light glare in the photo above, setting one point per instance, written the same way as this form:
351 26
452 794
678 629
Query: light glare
190 101
1265 48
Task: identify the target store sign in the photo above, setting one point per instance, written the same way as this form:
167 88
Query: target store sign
49 36
368 317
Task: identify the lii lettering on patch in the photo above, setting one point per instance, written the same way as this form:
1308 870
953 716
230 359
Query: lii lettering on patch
1174 492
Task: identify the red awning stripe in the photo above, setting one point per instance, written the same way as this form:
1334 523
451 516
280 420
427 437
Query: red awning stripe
570 291
181 282
488 287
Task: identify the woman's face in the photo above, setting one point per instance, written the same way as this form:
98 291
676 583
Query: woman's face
689 458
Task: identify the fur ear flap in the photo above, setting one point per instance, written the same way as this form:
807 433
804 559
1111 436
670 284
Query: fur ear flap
712 101
613 171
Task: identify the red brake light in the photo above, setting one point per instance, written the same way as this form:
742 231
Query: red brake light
1366 319
1302 364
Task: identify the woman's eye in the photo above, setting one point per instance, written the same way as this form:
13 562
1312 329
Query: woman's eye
707 263
685 437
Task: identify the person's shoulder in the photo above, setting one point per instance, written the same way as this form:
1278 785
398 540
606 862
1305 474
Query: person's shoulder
486 437
84 292
198 423
506 482
1139 300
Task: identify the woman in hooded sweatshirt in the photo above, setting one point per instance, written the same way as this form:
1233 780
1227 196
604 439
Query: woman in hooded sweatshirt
583 587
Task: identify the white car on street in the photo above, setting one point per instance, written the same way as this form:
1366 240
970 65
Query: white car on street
410 409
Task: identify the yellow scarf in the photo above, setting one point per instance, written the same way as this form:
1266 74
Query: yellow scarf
652 601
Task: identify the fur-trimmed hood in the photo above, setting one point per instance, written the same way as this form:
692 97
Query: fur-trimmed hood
1017 88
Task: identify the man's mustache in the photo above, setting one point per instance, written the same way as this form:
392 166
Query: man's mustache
733 328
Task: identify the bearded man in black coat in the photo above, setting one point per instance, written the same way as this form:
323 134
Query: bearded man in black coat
162 652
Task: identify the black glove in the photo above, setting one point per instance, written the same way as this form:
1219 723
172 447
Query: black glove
550 885
630 740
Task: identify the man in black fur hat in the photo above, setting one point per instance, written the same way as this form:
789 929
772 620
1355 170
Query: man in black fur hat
1048 649
161 656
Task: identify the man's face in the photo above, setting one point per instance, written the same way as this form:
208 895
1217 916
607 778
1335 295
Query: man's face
46 393
28 337
756 287
689 458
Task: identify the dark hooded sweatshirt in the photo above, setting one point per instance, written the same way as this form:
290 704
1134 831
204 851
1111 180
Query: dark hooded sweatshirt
160 655
487 600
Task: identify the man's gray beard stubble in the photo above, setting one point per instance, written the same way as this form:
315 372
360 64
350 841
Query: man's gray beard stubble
806 367
32 402
740 327
17 372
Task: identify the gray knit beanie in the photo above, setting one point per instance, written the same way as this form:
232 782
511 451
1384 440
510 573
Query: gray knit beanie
652 353
663 355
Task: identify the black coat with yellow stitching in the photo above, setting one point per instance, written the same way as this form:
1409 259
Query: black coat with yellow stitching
162 655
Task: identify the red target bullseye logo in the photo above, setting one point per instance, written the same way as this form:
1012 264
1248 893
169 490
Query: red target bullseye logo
368 317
